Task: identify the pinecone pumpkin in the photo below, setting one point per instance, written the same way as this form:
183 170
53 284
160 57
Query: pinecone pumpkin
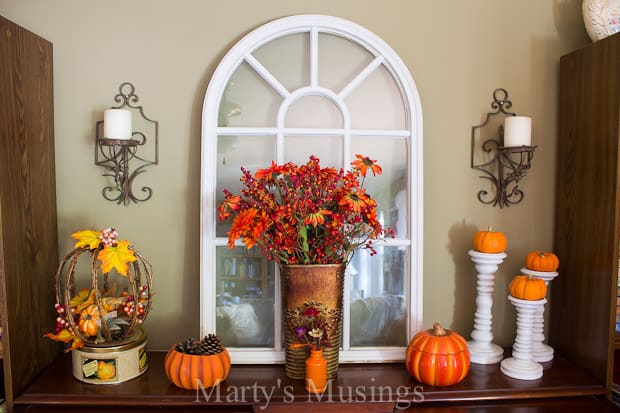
192 363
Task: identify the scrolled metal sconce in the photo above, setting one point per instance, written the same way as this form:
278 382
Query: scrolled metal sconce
117 145
508 159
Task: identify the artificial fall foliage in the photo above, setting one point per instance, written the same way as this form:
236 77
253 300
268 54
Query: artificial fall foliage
305 214
86 313
117 257
86 239
113 255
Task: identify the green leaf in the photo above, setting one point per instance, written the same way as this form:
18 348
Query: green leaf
303 232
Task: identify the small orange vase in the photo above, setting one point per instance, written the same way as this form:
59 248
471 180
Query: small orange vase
316 372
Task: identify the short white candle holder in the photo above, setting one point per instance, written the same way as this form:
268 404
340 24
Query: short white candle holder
520 365
482 350
541 352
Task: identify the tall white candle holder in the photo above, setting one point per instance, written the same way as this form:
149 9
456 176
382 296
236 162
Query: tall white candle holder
520 365
482 350
541 352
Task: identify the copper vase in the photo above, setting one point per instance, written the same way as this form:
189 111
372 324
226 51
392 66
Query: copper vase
322 283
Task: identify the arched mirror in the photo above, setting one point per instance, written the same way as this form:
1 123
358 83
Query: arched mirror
313 85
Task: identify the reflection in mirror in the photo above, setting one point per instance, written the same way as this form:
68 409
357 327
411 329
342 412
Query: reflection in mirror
378 303
248 100
340 61
313 112
245 298
251 152
377 103
390 188
287 59
328 149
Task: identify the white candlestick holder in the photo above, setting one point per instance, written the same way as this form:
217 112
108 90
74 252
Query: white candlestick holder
520 365
482 350
541 352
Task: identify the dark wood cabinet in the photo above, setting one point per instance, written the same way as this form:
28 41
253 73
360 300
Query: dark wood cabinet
28 231
587 226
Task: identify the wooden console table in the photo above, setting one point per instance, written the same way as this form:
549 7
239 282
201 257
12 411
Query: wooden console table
358 388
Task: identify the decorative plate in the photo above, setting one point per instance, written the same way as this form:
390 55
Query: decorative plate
601 18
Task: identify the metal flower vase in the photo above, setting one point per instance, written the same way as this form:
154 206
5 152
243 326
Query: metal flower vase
303 284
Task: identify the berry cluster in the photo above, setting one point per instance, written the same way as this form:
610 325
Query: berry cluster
108 237
61 320
130 304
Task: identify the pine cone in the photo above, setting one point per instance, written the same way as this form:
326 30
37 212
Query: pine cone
211 344
189 346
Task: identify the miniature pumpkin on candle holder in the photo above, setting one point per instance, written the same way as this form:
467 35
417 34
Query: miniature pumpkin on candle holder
526 287
542 261
489 241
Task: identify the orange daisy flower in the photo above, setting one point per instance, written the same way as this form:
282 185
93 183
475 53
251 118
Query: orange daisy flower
271 172
231 203
353 201
363 163
241 225
317 218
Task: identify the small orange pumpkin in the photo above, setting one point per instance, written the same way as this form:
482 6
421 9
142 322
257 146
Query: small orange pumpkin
526 287
542 261
490 241
188 371
89 320
437 357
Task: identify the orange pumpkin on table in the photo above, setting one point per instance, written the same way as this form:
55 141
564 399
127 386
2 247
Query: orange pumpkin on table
542 261
438 357
207 367
490 242
526 287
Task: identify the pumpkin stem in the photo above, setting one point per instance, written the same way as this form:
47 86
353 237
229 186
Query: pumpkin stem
438 330
490 228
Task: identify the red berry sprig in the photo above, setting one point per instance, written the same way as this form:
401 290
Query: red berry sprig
61 320
108 237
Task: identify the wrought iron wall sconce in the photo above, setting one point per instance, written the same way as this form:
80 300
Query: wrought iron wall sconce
117 146
505 161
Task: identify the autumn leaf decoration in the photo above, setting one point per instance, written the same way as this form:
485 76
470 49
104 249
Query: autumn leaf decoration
117 257
86 239
113 254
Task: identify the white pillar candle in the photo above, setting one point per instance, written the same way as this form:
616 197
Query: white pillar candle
117 124
517 131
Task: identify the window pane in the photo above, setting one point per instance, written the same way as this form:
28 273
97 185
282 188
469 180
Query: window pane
245 298
378 297
248 100
251 152
389 188
313 112
287 59
328 149
340 61
377 103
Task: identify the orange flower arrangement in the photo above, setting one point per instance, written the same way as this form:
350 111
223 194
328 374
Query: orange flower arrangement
305 214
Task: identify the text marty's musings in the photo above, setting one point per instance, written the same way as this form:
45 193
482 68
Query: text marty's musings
263 395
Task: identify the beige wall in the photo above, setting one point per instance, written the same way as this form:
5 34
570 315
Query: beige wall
458 52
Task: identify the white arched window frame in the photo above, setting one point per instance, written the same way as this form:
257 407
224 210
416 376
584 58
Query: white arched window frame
384 56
